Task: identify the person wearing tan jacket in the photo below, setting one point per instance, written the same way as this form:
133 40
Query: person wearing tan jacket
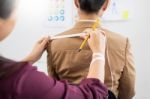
65 62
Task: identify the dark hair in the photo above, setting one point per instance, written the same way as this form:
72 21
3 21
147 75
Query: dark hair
91 6
6 7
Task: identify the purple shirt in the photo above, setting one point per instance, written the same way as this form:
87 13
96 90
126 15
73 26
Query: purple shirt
28 83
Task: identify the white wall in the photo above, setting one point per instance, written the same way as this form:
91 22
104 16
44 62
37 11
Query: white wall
138 29
30 28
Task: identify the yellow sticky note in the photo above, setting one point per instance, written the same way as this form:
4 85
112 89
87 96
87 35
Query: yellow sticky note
125 15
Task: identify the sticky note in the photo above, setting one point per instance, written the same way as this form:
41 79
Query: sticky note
125 15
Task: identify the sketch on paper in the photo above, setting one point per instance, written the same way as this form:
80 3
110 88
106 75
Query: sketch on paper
117 10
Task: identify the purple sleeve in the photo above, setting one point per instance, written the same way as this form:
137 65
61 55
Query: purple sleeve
40 86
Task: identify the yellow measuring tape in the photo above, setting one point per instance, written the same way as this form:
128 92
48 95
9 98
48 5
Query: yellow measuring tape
97 23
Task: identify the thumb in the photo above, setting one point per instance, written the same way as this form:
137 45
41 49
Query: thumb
45 41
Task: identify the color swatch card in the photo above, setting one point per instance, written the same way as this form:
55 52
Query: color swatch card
59 13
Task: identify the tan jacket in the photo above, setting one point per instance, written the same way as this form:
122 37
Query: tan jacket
64 62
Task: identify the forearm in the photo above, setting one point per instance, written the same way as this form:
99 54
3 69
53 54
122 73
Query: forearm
28 59
37 51
97 68
50 87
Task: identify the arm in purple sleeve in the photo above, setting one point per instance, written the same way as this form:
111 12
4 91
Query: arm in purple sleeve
40 86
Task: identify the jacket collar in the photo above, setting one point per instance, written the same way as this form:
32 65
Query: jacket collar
89 24
84 24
